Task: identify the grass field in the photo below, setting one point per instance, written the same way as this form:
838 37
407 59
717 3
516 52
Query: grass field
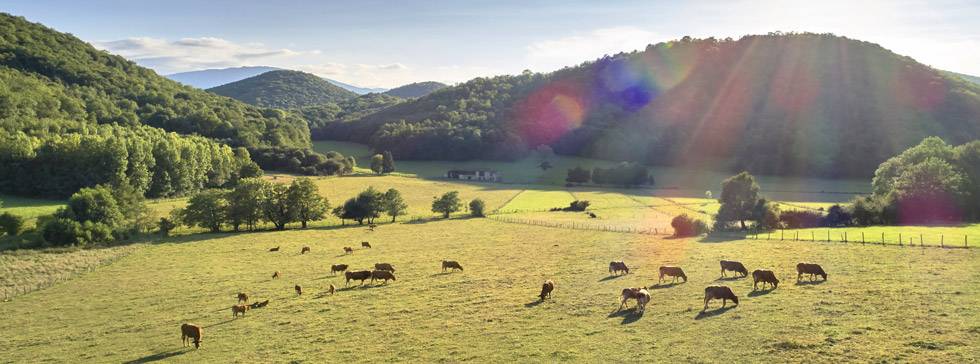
880 304
29 208
24 271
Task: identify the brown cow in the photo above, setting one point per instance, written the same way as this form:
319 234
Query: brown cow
546 289
299 290
274 249
275 275
365 244
674 272
626 295
242 297
331 288
382 274
619 266
642 298
337 268
384 266
811 269
304 250
358 275
189 331
764 276
722 292
734 266
238 309
348 250
451 264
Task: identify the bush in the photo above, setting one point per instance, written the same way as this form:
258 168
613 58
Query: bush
61 232
11 224
799 219
577 205
476 207
685 225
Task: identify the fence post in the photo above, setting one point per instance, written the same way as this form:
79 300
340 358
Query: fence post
862 237
845 236
942 244
828 235
882 238
922 243
782 233
899 238
964 241
797 236
813 236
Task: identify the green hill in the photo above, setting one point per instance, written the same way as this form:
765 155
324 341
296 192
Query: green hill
416 89
284 89
784 104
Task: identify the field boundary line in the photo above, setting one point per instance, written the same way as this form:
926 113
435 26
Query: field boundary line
508 200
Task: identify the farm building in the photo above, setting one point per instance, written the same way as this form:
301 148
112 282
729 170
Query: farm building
484 175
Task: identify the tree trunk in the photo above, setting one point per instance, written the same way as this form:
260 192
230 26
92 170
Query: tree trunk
303 223
393 218
743 223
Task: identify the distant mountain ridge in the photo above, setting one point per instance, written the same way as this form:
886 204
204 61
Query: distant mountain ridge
214 77
357 89
415 89
284 89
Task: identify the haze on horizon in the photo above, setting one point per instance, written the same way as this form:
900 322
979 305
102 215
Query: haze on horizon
378 44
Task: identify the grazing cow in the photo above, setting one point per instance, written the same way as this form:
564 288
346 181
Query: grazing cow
192 332
451 264
722 292
331 288
384 266
348 250
299 290
358 276
274 249
259 304
372 227
734 266
628 294
238 309
674 272
642 298
365 244
546 289
616 267
304 250
811 269
764 276
337 268
592 215
242 297
276 275
382 274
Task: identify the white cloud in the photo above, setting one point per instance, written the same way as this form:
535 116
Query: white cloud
186 54
549 55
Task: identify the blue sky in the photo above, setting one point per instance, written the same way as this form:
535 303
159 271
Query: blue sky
389 43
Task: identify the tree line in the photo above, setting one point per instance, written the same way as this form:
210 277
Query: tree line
626 174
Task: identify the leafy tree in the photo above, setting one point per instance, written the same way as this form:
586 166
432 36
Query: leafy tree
447 204
207 209
837 216
367 205
578 175
276 206
61 232
165 226
95 204
388 163
765 214
245 203
341 213
477 207
377 163
625 174
739 196
393 204
685 225
305 199
11 224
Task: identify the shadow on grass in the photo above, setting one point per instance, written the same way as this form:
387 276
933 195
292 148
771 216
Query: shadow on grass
360 286
713 313
729 278
724 238
629 315
609 278
809 283
761 292
220 323
157 357
663 285
441 274
534 303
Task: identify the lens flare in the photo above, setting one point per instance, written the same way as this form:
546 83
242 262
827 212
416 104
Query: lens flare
550 112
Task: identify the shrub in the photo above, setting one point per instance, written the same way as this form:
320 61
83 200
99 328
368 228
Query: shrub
11 224
577 205
685 225
799 219
447 204
61 232
476 207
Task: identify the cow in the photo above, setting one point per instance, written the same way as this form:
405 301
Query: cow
734 266
337 268
642 298
365 244
592 215
382 274
262 304
348 250
722 292
299 290
274 249
384 266
451 264
619 266
764 276
304 250
242 297
546 289
275 275
626 295
193 332
674 272
358 276
239 309
811 269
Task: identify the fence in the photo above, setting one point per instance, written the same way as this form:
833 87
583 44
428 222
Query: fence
7 293
896 239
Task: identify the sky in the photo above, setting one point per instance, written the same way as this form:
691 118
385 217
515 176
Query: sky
391 43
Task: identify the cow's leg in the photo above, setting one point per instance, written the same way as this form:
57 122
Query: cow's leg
706 299
723 272
724 302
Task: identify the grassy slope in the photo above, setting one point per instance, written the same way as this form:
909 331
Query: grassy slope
880 304
23 271
29 208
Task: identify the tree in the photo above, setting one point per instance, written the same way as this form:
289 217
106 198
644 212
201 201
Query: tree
61 232
930 191
578 175
165 226
388 163
276 206
137 216
476 207
245 203
11 224
739 196
377 163
305 199
447 204
95 204
393 204
207 209
545 165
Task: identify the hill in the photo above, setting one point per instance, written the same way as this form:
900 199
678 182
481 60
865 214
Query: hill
784 104
284 89
415 89
974 79
356 89
205 79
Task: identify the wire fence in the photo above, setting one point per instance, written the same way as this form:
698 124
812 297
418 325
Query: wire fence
9 292
875 238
